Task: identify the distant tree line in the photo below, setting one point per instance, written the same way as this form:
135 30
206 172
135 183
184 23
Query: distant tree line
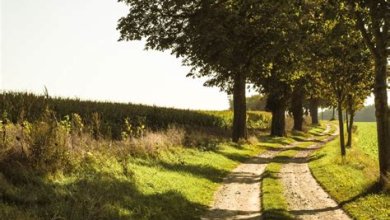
253 103
366 114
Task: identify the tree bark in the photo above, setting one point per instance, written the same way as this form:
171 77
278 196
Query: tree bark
239 108
350 127
346 119
314 111
297 108
377 41
333 115
277 104
341 127
382 118
278 127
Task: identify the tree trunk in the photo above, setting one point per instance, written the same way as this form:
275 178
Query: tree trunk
239 108
278 121
377 41
341 127
382 118
297 109
314 111
333 115
346 119
350 127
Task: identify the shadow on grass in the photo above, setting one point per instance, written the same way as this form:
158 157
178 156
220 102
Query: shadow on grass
235 156
375 188
95 195
208 172
313 211
277 214
232 214
302 139
298 160
273 140
270 175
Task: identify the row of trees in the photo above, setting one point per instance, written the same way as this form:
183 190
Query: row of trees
320 52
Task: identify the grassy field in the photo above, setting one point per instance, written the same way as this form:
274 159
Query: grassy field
60 159
179 184
352 181
366 139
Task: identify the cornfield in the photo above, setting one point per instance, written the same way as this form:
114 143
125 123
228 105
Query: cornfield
112 117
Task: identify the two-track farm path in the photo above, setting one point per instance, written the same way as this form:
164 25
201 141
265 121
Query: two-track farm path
239 197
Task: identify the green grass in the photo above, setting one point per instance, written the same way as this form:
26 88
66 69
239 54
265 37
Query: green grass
274 204
367 138
179 184
352 181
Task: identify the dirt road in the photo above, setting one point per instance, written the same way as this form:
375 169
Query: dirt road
239 197
305 197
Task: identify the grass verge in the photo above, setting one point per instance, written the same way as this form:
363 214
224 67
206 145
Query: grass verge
352 181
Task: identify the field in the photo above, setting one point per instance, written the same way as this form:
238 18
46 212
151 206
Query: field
366 139
59 159
179 184
352 181
110 119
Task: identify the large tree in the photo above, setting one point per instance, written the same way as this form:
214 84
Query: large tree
344 61
219 39
284 55
373 20
230 42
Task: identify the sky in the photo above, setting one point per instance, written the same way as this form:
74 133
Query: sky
71 48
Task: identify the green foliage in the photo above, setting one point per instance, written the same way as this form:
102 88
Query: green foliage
255 119
253 103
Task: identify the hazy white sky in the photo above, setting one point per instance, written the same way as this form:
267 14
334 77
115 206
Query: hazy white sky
70 46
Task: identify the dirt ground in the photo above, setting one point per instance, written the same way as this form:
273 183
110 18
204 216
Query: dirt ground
239 197
305 197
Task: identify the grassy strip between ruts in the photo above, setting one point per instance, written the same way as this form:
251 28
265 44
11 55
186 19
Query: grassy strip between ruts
351 181
274 204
